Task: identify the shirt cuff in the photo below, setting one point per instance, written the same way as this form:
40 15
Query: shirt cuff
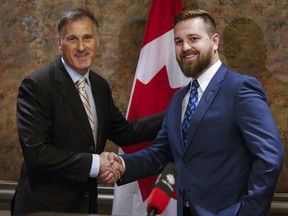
122 162
95 166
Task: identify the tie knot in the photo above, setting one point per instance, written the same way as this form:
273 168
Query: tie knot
81 82
195 84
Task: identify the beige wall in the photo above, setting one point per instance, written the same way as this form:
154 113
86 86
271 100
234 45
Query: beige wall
254 41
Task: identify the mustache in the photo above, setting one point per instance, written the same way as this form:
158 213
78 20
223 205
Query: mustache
188 53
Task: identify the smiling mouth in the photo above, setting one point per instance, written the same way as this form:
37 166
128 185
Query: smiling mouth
81 56
188 57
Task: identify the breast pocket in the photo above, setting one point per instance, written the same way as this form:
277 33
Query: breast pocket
219 119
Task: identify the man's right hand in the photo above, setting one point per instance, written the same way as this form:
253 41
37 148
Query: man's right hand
111 168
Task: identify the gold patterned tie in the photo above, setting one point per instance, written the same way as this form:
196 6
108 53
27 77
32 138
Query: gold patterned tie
84 97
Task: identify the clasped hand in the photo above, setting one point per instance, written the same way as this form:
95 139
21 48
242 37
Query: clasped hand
111 168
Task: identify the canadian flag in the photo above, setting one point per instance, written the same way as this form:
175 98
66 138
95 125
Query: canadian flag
157 78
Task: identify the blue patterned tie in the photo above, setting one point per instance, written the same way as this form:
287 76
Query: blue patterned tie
191 106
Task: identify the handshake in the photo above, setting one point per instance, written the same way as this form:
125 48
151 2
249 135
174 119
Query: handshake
111 168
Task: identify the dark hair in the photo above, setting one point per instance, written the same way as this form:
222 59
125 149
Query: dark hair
204 15
73 15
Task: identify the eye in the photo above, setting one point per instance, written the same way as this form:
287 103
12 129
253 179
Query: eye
87 37
72 39
193 39
177 42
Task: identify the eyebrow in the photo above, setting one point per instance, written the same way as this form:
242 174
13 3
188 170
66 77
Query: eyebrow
189 35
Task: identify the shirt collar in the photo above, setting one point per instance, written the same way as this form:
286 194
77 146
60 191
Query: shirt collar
206 77
73 74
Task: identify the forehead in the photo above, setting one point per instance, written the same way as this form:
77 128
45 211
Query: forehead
190 26
83 25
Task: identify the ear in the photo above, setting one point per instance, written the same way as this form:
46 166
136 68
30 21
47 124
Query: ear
215 41
59 44
97 42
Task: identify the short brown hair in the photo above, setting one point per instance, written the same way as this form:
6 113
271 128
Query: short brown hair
204 15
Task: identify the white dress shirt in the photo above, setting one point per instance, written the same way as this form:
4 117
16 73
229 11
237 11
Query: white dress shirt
203 81
95 167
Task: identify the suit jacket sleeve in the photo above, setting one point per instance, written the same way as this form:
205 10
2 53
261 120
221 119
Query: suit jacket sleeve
263 140
151 159
121 131
135 131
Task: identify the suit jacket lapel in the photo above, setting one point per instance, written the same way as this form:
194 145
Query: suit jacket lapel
178 115
66 88
205 102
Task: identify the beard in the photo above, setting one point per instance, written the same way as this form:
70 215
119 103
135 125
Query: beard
195 68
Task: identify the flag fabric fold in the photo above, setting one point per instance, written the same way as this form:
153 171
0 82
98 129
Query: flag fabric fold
157 78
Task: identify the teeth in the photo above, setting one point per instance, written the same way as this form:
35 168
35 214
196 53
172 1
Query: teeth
81 55
190 56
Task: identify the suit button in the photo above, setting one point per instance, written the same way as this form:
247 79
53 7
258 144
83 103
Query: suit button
185 160
86 195
91 148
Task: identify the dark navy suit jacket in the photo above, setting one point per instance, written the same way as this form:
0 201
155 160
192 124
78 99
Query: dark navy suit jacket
233 154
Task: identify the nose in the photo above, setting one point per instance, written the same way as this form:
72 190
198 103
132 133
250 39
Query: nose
81 45
186 46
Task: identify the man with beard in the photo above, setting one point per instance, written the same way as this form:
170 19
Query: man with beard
218 130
